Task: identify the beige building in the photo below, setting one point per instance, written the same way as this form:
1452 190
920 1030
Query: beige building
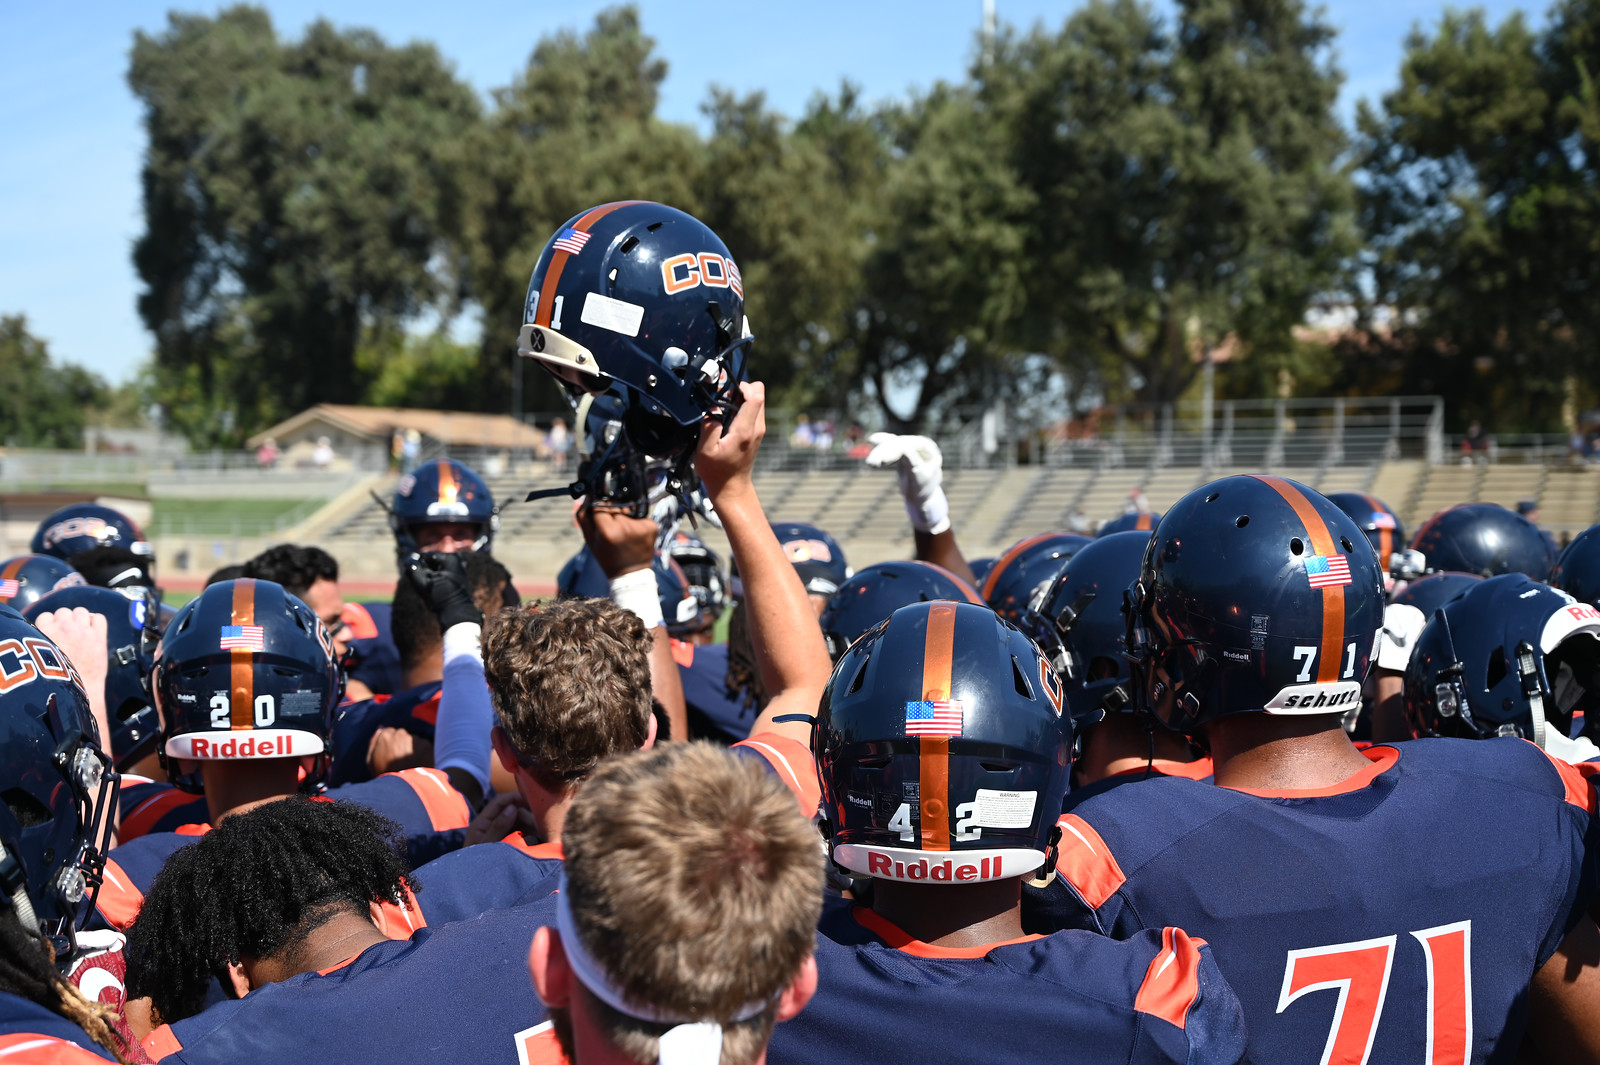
363 436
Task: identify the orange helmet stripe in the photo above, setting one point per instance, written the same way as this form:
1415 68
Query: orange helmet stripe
1332 651
993 579
242 660
558 261
449 487
937 655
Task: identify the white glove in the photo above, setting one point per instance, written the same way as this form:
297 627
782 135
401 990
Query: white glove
1402 624
918 462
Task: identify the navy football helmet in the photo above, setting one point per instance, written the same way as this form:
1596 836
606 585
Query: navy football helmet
1027 565
868 597
815 555
1080 623
246 671
644 296
440 492
980 568
1509 657
1435 590
58 789
1133 521
81 526
133 619
1577 571
612 471
1486 539
26 579
1256 593
1377 519
702 567
942 750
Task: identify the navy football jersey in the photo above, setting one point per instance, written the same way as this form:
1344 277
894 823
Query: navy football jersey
33 1035
1068 997
458 993
150 806
790 761
715 713
377 660
490 876
1395 918
416 710
431 814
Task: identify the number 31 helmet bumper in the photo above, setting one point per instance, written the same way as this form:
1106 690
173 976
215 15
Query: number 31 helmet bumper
1256 593
246 671
942 749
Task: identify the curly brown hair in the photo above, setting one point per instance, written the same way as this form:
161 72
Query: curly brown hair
696 883
570 683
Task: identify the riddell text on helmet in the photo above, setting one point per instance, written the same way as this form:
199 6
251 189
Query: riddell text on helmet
249 747
946 871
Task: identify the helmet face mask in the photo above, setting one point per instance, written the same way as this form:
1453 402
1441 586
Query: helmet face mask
60 790
442 492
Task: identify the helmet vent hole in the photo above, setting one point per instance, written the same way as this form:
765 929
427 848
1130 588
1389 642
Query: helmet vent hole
1497 668
28 810
1213 497
1241 521
995 767
1296 547
1019 680
1345 542
653 226
856 681
629 244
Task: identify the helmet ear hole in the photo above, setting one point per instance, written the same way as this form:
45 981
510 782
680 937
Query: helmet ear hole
1497 668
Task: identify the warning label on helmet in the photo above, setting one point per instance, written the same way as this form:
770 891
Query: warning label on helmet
1003 809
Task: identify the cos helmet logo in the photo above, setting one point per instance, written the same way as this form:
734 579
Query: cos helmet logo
707 268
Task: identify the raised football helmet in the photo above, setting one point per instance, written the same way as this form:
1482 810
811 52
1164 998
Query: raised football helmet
26 579
612 472
1376 519
1577 571
703 568
1256 593
246 671
81 526
1133 521
942 749
58 790
1509 657
443 491
1483 538
815 555
1027 565
869 597
1080 623
135 725
644 296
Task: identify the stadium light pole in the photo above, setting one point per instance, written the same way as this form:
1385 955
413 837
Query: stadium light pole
988 32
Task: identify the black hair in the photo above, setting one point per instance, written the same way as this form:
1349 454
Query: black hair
743 678
257 885
112 567
28 970
484 571
295 566
225 573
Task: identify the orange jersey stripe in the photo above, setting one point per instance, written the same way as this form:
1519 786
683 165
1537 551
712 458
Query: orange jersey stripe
558 261
1085 862
1332 653
794 765
446 807
1172 982
938 653
142 818
119 900
243 673
1577 781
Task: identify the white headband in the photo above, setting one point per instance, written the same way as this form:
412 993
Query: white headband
689 1042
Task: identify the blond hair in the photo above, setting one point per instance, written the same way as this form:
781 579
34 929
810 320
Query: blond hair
696 883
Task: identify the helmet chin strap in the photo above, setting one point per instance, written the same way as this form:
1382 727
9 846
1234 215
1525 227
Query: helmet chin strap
15 885
1533 690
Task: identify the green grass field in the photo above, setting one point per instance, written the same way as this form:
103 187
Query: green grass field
225 517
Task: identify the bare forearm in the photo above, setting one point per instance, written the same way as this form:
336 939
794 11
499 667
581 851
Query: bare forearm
666 683
942 550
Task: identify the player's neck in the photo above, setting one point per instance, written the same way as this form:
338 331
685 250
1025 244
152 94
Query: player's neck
966 915
426 671
1280 753
237 787
1122 743
549 809
335 941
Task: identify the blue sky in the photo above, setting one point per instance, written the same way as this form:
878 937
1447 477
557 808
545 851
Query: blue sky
69 188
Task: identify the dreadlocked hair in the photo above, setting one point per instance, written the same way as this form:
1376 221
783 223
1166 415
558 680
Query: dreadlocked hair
744 672
28 969
257 886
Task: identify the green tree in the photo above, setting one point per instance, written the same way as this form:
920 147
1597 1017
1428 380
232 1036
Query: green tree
1185 179
1481 204
42 404
297 195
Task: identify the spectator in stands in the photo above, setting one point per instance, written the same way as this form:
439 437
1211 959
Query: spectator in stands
322 455
410 451
1477 445
803 435
558 442
267 454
